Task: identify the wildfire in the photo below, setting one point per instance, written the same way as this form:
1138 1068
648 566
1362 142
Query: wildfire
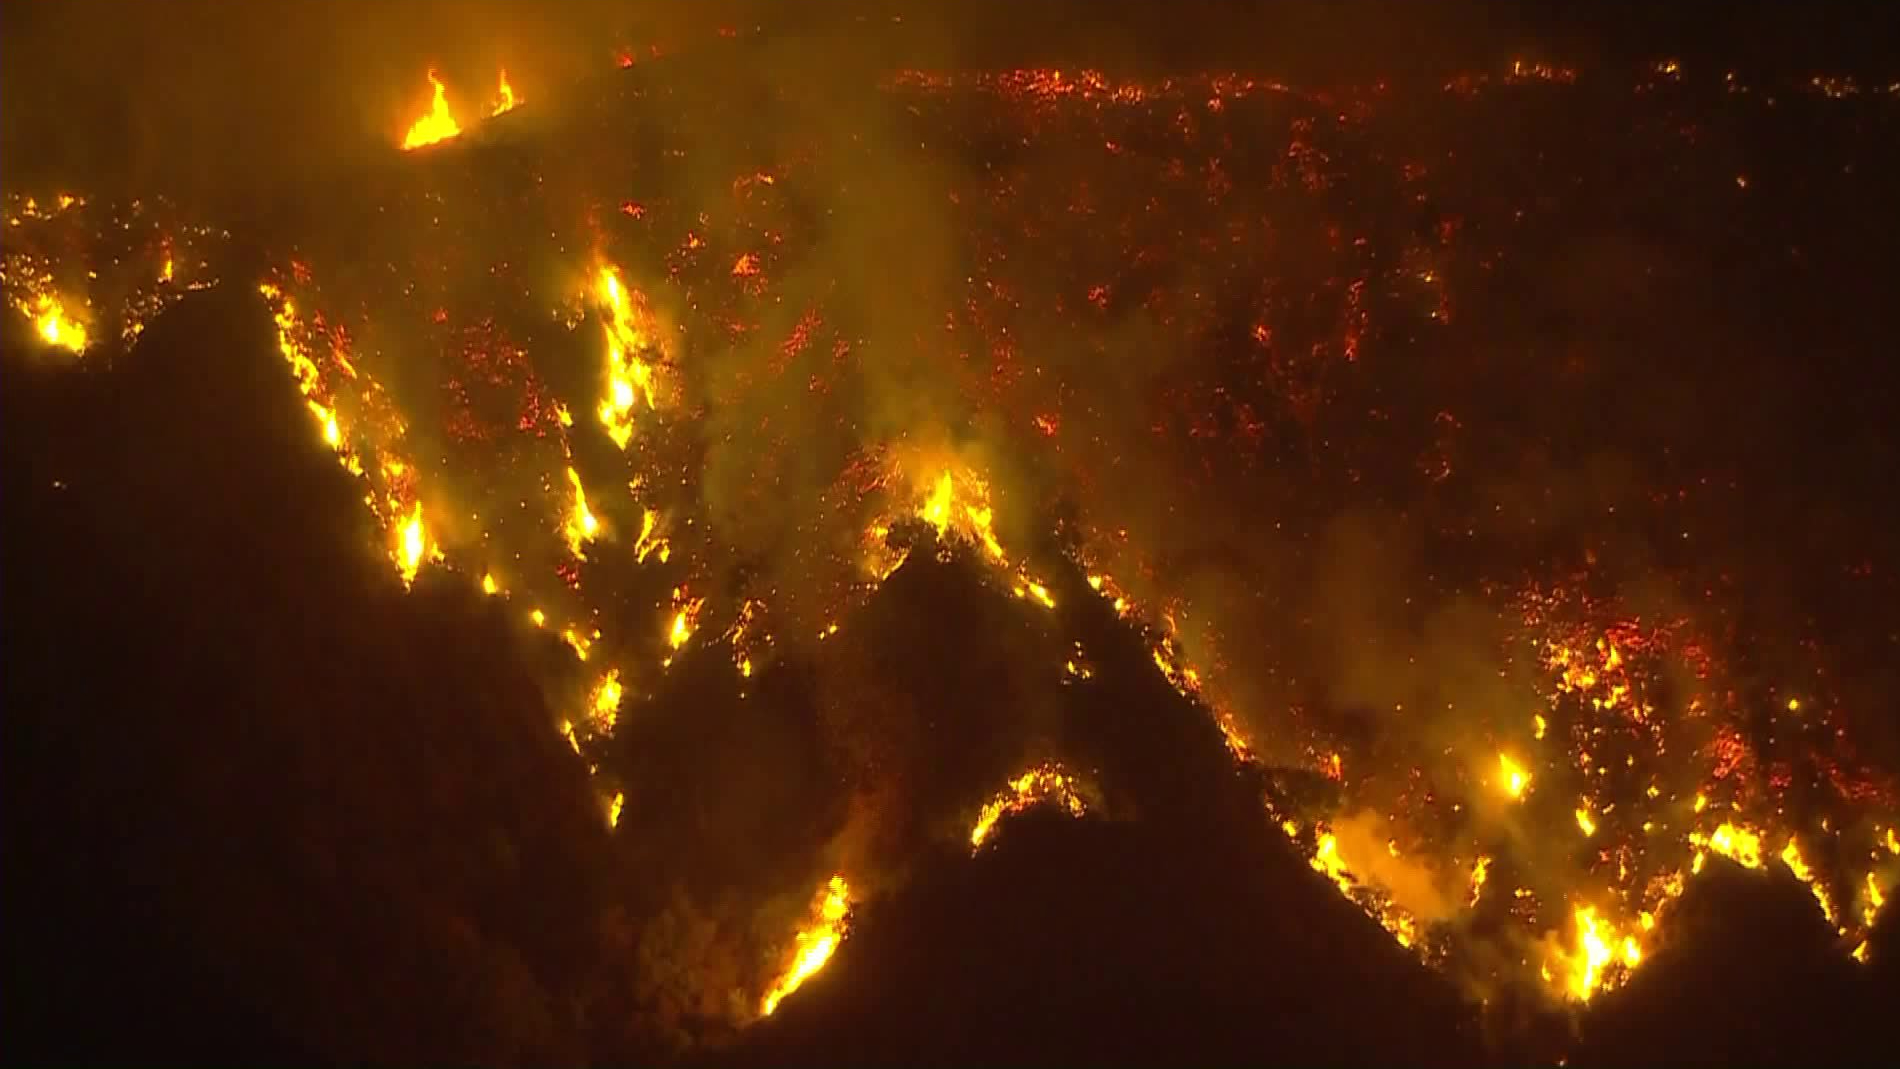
1791 857
685 619
54 326
1479 871
1738 843
1599 949
1044 783
647 544
605 706
1512 777
581 526
1871 900
438 124
504 96
815 943
970 518
411 545
629 377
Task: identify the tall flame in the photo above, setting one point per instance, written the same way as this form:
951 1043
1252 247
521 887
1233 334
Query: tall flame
438 125
412 543
504 96
629 378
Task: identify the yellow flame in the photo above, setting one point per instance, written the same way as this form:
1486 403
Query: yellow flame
489 586
54 326
1791 857
1327 862
581 526
815 943
647 543
1585 822
1029 588
629 378
1738 843
1585 966
438 124
613 808
412 544
606 702
936 508
1512 777
685 618
504 96
1479 871
1044 783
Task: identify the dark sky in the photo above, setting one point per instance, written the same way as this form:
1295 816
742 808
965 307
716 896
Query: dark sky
194 87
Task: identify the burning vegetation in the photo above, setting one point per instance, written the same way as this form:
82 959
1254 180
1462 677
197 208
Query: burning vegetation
1181 373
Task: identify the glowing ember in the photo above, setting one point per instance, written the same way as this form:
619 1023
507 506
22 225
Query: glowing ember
438 124
815 943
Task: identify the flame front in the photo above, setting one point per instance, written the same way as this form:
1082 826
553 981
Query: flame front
1044 783
815 943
